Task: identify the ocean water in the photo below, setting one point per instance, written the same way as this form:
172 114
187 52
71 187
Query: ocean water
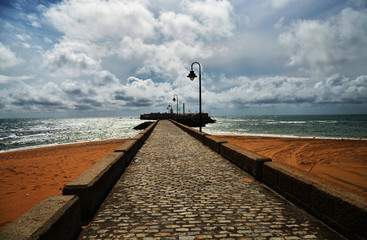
16 134
318 126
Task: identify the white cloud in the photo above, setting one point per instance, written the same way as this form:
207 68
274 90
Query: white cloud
34 21
47 40
26 45
291 90
270 90
214 17
340 89
280 3
168 58
71 58
98 45
96 20
162 42
179 26
6 79
29 98
142 93
8 58
23 37
324 46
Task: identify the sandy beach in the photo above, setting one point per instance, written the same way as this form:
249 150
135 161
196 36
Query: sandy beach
339 162
29 176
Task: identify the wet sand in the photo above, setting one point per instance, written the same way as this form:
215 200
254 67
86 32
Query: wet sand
28 177
342 163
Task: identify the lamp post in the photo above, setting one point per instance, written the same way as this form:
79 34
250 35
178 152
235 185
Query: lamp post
174 100
192 76
169 107
170 111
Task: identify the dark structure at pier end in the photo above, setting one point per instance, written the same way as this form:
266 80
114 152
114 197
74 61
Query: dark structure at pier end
189 119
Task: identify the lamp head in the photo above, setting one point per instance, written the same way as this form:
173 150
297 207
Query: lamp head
192 75
174 99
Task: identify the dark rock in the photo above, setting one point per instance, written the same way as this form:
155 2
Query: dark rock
143 125
189 119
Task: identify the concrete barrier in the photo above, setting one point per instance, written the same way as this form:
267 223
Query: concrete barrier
129 148
214 143
191 131
342 210
93 185
248 161
150 128
57 217
140 139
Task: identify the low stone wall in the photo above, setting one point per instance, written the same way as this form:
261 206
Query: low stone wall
61 217
342 210
345 212
57 217
249 161
93 185
191 131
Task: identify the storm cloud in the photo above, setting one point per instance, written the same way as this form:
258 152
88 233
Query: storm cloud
135 55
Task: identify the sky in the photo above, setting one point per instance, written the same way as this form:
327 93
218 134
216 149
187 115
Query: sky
95 58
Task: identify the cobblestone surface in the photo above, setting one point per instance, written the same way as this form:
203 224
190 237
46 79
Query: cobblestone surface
176 188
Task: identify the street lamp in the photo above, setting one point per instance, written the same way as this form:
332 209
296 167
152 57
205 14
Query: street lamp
170 109
192 76
174 100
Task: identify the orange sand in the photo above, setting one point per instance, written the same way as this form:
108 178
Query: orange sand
29 176
339 162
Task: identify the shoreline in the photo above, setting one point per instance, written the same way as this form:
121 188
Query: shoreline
214 133
56 145
266 135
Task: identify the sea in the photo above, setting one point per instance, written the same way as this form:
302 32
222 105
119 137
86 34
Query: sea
18 134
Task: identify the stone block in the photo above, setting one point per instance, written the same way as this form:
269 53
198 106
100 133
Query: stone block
322 203
93 185
57 217
140 139
270 176
249 161
301 191
290 182
351 217
213 142
129 148
344 211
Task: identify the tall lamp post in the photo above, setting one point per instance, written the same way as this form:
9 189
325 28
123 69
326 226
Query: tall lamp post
192 76
174 100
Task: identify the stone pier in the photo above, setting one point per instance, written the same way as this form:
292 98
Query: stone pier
177 188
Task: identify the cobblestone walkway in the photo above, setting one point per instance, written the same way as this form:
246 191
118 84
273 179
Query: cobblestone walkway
177 188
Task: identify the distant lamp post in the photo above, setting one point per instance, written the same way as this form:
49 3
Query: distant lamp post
192 76
169 107
170 111
174 100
